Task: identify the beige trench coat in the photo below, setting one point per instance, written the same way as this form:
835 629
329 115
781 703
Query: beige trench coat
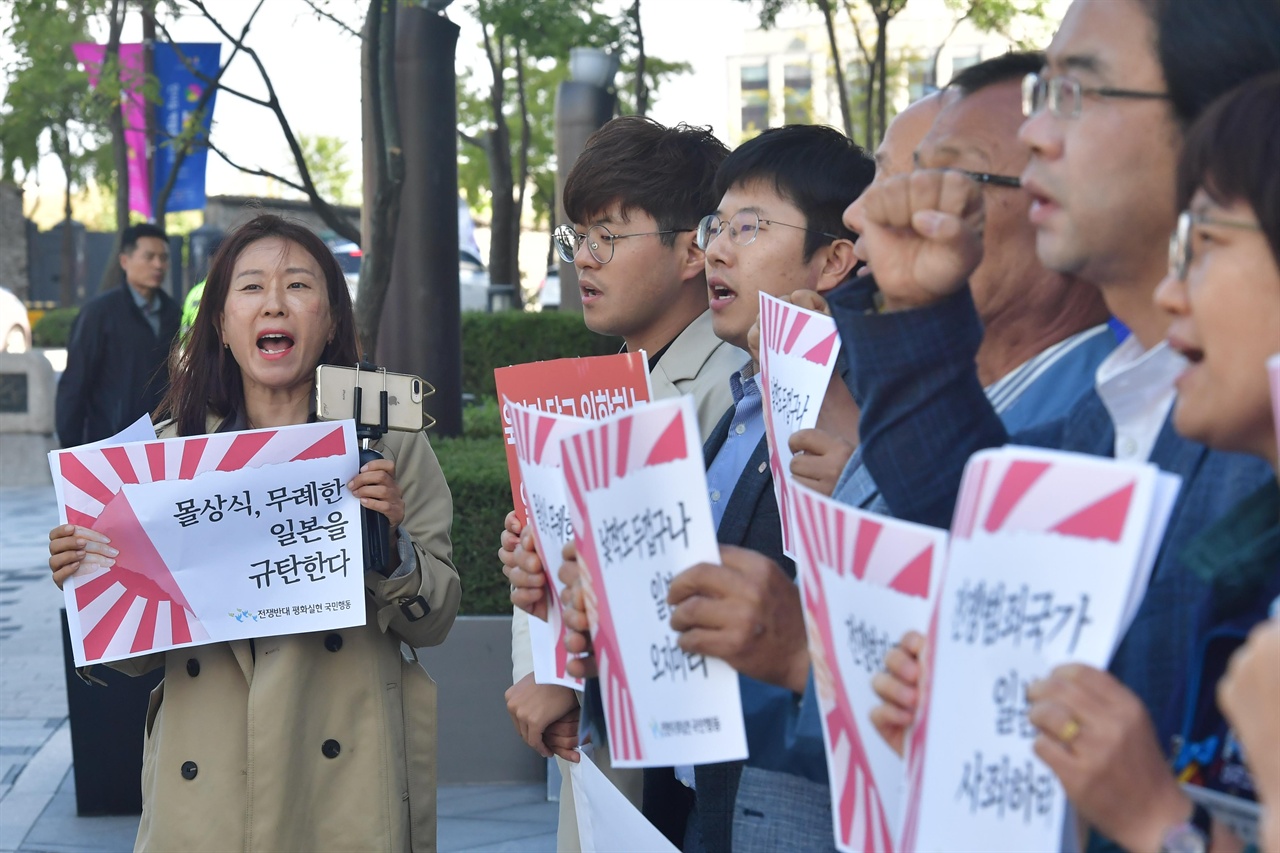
309 742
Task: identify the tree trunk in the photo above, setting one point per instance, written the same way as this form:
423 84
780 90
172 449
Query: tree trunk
505 237
642 87
841 87
111 272
522 173
882 35
377 68
67 284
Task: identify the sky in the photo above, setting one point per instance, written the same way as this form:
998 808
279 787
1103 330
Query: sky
315 68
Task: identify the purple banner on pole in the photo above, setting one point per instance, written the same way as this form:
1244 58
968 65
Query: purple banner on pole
133 108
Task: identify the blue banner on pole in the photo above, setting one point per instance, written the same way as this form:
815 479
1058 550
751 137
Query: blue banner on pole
180 91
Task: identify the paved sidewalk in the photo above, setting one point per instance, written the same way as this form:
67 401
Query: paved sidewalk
37 788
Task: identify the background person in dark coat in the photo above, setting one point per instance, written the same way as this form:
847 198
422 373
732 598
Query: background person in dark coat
119 348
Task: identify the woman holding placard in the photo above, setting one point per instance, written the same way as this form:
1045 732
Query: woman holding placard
320 741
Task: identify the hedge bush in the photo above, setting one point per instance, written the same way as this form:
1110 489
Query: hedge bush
53 329
476 470
515 337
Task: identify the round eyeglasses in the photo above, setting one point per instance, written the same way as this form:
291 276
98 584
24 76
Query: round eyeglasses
743 227
1064 96
1180 248
599 241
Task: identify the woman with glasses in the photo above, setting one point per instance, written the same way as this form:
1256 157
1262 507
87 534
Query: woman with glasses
1223 294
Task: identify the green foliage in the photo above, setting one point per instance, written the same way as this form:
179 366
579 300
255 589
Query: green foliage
483 419
475 465
542 33
516 337
48 107
53 329
476 470
328 165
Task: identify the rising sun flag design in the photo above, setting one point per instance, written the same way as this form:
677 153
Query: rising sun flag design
137 604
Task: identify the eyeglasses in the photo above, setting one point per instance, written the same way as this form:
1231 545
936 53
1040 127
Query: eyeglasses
743 227
599 239
981 177
1064 95
1180 248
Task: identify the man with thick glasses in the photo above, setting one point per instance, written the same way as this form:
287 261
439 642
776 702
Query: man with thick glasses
634 196
1104 133
776 229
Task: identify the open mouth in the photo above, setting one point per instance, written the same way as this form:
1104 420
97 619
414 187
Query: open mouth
1190 352
721 293
588 291
274 343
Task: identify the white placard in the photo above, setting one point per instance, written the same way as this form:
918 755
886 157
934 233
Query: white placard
607 822
865 581
1046 552
537 436
798 350
637 496
221 537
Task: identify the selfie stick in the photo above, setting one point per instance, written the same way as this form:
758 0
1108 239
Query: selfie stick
375 528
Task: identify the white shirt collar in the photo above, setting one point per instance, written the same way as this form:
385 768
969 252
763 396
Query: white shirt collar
1136 386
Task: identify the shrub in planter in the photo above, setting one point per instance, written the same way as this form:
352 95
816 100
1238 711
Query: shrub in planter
53 329
515 337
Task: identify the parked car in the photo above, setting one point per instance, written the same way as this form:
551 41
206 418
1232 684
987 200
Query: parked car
549 290
15 326
473 278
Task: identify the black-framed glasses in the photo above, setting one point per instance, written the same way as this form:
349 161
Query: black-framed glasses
743 227
981 177
599 241
1180 249
1064 96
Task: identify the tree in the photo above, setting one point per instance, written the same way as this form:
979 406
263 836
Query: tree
871 84
48 106
517 35
326 157
988 16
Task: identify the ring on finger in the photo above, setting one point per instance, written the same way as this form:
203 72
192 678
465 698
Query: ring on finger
1070 731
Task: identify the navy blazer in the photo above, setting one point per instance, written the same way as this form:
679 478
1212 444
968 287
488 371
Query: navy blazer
751 520
924 414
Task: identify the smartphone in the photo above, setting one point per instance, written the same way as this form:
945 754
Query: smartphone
335 396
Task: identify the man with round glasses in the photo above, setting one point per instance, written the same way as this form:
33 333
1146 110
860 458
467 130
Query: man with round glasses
1107 115
776 228
634 196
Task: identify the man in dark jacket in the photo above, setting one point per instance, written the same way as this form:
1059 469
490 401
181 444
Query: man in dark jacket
119 348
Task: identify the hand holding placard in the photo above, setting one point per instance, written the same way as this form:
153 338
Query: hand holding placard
628 478
1048 552
798 349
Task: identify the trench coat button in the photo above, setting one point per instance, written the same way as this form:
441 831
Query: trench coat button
189 770
333 642
193 667
330 748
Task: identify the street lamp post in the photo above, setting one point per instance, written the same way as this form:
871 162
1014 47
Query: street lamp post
584 102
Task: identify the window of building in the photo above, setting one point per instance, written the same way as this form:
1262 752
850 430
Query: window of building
797 93
755 98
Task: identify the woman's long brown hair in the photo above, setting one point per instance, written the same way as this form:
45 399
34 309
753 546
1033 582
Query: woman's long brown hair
204 377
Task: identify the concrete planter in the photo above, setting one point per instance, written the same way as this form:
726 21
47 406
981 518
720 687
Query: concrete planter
477 742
